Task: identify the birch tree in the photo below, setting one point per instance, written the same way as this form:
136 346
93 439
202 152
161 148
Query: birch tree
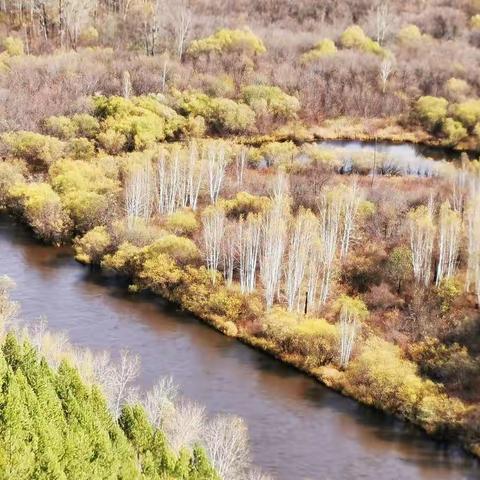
386 68
299 249
185 425
182 20
229 250
226 441
213 219
422 237
122 377
139 190
349 199
351 312
159 402
217 162
450 224
473 245
273 243
330 215
240 163
249 234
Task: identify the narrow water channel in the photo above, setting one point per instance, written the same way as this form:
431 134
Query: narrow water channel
299 429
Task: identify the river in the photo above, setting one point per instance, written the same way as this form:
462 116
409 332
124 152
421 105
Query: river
299 429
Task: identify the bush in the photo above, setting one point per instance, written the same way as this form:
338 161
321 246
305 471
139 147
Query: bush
381 377
270 100
13 46
91 248
42 209
409 35
324 48
431 111
112 141
276 153
457 88
36 149
354 37
450 364
182 222
182 250
80 149
86 125
245 203
61 127
454 131
228 41
11 173
317 339
467 112
232 117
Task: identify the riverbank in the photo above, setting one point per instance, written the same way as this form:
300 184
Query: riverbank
224 308
389 130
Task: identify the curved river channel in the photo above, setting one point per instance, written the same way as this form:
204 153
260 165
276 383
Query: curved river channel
299 429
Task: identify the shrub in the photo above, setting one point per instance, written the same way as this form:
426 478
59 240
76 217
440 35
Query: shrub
399 266
265 99
276 153
142 120
42 209
92 246
409 35
457 88
475 22
232 117
182 222
449 364
454 131
127 260
182 250
245 203
467 112
80 149
87 189
13 46
431 111
61 127
228 41
381 377
86 125
324 48
354 37
317 339
11 173
112 141
34 148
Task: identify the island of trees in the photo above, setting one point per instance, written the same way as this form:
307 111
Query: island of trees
179 153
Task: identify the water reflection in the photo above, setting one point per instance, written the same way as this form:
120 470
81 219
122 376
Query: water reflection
299 429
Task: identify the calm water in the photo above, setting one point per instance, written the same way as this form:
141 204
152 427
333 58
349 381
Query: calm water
401 151
298 428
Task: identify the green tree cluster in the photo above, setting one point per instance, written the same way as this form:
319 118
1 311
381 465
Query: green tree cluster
54 426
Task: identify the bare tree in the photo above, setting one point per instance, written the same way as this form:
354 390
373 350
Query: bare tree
217 162
349 199
182 20
473 244
382 21
351 312
240 163
139 191
229 250
450 225
386 69
184 426
249 234
273 244
304 229
213 218
8 308
226 440
422 236
159 402
122 377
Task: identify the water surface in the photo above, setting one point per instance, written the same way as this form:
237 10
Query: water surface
299 429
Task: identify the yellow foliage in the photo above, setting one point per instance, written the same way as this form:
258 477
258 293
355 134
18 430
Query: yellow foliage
92 246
